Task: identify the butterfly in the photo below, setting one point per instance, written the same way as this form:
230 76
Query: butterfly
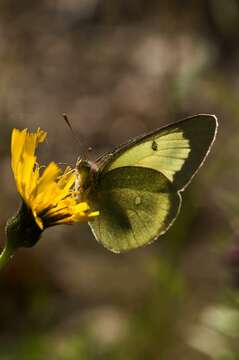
137 187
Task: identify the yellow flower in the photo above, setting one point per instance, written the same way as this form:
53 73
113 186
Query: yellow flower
47 195
46 192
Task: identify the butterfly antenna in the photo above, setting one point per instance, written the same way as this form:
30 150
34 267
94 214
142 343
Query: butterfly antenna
65 117
74 133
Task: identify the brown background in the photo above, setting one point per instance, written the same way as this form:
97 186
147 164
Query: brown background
119 68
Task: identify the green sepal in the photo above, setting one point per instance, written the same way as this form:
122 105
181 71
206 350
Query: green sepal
22 229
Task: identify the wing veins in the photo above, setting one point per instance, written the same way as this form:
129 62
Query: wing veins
163 156
142 222
145 191
132 229
172 148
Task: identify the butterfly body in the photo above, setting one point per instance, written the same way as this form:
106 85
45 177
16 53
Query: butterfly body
86 173
137 187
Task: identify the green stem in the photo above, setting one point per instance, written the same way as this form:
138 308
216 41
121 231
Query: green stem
5 256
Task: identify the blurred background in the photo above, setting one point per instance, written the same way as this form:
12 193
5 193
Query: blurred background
119 68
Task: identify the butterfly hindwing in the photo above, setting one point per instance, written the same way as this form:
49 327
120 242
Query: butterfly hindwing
177 150
136 205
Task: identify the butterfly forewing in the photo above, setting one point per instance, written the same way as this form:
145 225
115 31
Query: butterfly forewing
177 150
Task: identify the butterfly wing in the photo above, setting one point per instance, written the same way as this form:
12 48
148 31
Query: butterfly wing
137 192
136 205
177 150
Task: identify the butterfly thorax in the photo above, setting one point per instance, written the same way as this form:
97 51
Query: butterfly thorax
86 172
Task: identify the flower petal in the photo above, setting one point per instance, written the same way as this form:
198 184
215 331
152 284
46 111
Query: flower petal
48 194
